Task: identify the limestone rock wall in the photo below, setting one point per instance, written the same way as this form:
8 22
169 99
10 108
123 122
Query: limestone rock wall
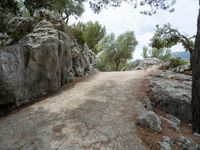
41 62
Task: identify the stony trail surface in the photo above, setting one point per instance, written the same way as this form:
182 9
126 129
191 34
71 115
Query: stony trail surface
98 113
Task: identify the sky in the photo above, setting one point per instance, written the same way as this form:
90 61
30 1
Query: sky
126 18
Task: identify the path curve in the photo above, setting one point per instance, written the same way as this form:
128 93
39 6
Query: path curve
96 114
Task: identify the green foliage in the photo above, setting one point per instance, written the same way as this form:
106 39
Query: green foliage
145 52
77 34
167 36
164 38
153 5
33 5
93 33
23 10
174 62
66 8
115 52
8 8
162 53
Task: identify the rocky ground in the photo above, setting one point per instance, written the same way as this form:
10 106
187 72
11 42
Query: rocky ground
97 113
165 125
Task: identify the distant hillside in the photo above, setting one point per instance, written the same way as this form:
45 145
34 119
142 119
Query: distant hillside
182 54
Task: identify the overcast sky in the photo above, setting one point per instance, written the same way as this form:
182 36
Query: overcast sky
126 18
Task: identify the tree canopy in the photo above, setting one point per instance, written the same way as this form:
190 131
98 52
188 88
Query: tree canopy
67 8
168 36
33 5
115 52
8 8
162 53
64 8
93 32
150 6
163 39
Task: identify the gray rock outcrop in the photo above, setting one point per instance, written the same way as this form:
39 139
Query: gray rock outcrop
142 64
166 144
173 119
171 124
172 93
150 120
186 143
40 62
148 105
184 69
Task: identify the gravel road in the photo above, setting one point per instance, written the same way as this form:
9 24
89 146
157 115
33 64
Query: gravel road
97 113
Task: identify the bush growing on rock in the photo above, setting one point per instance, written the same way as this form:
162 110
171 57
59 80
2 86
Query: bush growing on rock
77 34
174 62
8 9
93 33
18 27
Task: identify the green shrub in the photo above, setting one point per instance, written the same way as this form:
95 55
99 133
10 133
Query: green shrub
174 62
77 34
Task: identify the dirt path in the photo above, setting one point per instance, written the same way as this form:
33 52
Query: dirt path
96 114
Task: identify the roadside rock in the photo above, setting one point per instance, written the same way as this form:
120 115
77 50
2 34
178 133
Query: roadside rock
166 144
148 105
186 143
150 120
35 66
39 63
5 39
142 64
171 124
164 66
173 119
182 68
172 93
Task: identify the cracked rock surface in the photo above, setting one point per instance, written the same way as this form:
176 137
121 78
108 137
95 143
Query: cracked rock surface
98 113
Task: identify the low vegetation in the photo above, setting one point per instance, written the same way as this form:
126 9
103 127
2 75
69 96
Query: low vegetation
174 62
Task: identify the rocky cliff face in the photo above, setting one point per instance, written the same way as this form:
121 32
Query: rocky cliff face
40 62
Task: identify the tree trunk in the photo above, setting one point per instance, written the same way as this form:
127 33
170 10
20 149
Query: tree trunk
117 67
191 59
117 62
196 81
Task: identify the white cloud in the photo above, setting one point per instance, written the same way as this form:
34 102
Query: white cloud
119 20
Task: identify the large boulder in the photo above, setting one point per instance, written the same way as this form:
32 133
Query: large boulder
142 64
173 93
166 144
173 119
186 143
39 63
149 119
183 69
